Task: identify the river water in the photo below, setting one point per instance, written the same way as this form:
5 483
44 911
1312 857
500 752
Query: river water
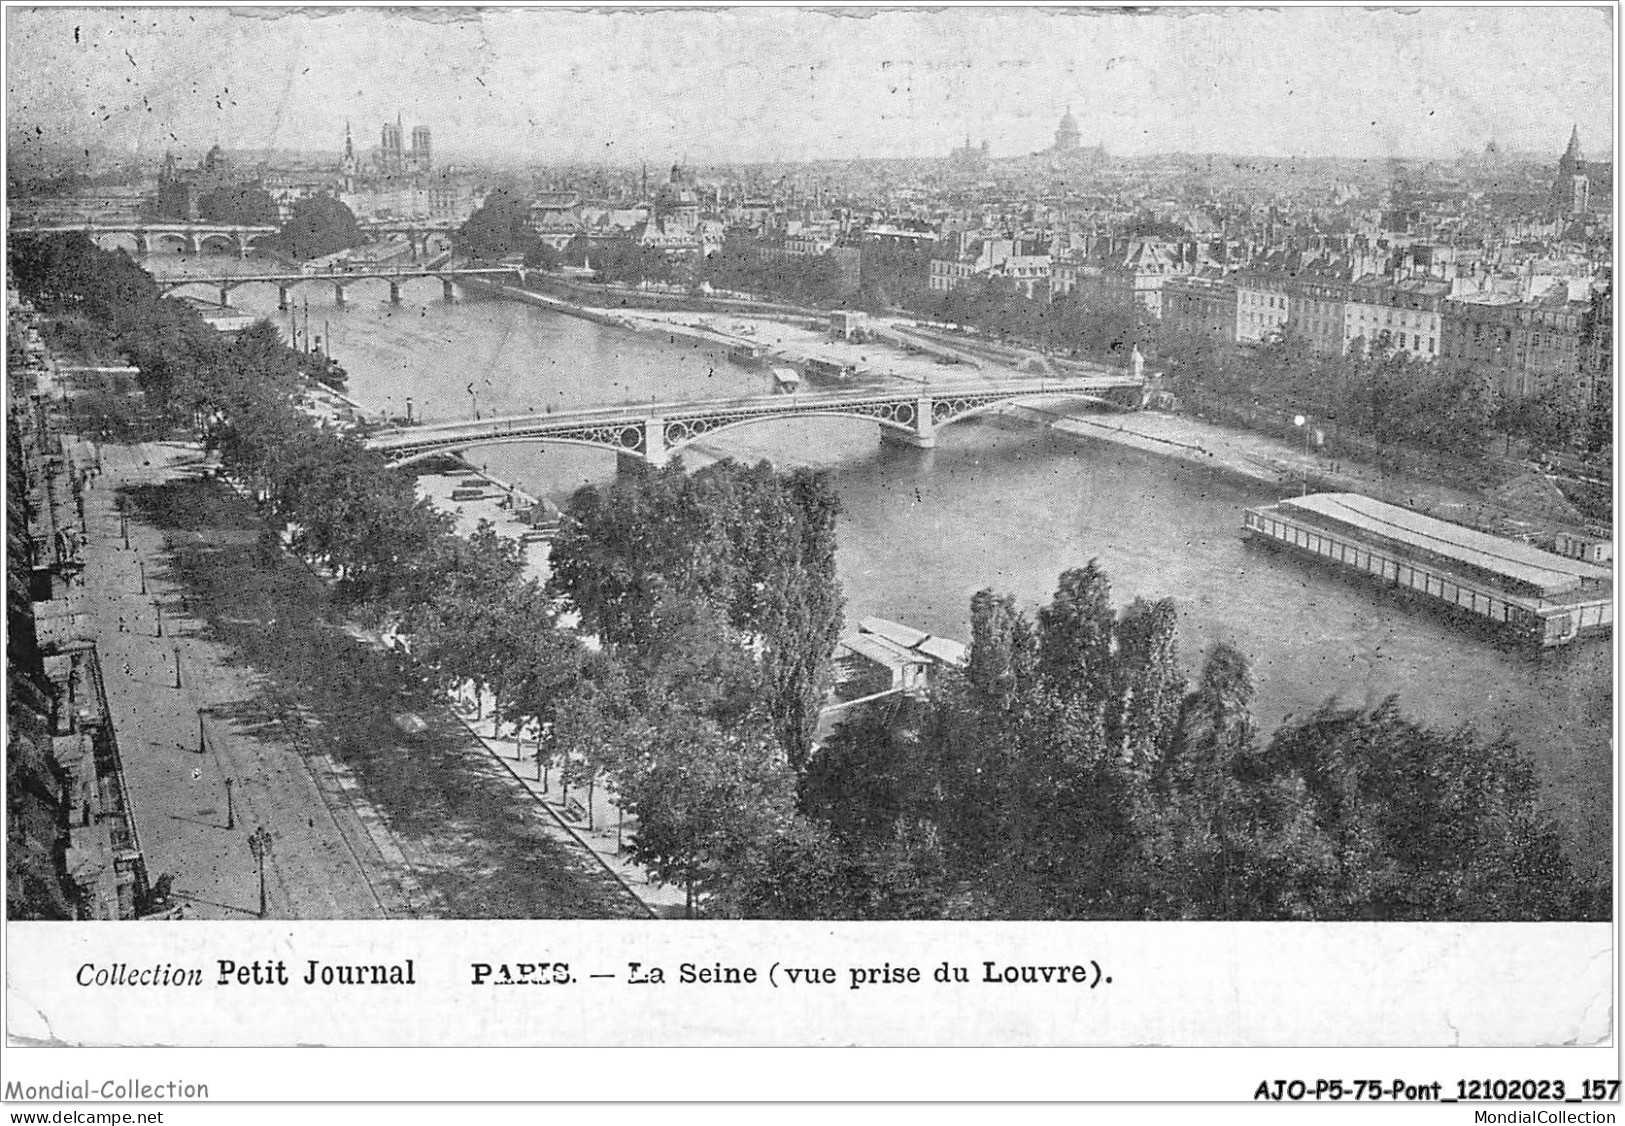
1007 505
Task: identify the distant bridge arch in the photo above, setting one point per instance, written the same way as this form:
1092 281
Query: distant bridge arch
118 240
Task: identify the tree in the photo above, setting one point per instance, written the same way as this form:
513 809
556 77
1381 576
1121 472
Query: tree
318 225
651 551
500 227
542 256
245 205
1428 824
1075 635
1003 652
1204 816
709 805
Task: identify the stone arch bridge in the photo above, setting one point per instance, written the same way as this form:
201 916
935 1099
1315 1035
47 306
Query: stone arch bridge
149 237
340 279
652 433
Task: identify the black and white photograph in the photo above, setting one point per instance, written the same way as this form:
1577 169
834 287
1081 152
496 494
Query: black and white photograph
1053 481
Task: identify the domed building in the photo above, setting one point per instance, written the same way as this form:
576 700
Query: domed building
677 201
1067 135
1068 147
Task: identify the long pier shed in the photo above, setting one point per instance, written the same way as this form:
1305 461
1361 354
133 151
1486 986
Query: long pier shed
1546 598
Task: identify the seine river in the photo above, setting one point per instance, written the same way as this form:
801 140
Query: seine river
1005 505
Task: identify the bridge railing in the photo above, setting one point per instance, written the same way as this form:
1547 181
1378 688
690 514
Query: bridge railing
637 413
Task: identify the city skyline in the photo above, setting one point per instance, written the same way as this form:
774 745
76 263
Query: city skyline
788 85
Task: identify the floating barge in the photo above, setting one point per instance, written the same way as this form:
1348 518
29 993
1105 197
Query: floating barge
1535 595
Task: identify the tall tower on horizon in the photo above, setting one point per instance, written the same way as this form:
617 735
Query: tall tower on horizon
347 166
420 161
389 149
1573 158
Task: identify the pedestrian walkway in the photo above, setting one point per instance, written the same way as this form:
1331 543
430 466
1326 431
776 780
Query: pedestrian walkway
606 832
203 778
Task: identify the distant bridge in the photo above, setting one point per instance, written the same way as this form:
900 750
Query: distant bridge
424 235
911 416
148 236
339 279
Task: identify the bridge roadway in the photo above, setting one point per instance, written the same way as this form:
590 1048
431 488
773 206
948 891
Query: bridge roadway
653 432
146 234
338 279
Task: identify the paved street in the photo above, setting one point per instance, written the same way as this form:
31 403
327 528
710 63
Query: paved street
327 857
377 803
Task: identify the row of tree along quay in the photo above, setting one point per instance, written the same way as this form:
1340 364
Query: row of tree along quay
1374 403
1069 771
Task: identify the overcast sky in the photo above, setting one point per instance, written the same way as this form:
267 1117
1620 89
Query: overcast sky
765 83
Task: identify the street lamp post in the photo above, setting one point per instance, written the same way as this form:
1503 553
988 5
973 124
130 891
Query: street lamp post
141 564
231 811
202 744
158 616
177 668
259 843
1302 423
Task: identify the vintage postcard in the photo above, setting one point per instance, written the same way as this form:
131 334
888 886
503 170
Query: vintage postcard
782 527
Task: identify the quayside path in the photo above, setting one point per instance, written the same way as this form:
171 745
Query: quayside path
377 801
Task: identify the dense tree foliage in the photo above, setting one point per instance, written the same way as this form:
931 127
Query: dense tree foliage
890 276
1375 393
318 225
752 266
500 227
1071 772
753 546
244 204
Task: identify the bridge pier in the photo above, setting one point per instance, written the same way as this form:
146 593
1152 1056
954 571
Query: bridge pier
924 435
890 437
225 297
338 295
282 301
654 442
447 289
394 293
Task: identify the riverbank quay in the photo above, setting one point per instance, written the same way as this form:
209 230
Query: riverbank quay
206 758
467 842
240 701
587 818
626 298
798 338
1255 458
500 502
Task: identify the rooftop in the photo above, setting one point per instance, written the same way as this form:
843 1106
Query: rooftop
1517 562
